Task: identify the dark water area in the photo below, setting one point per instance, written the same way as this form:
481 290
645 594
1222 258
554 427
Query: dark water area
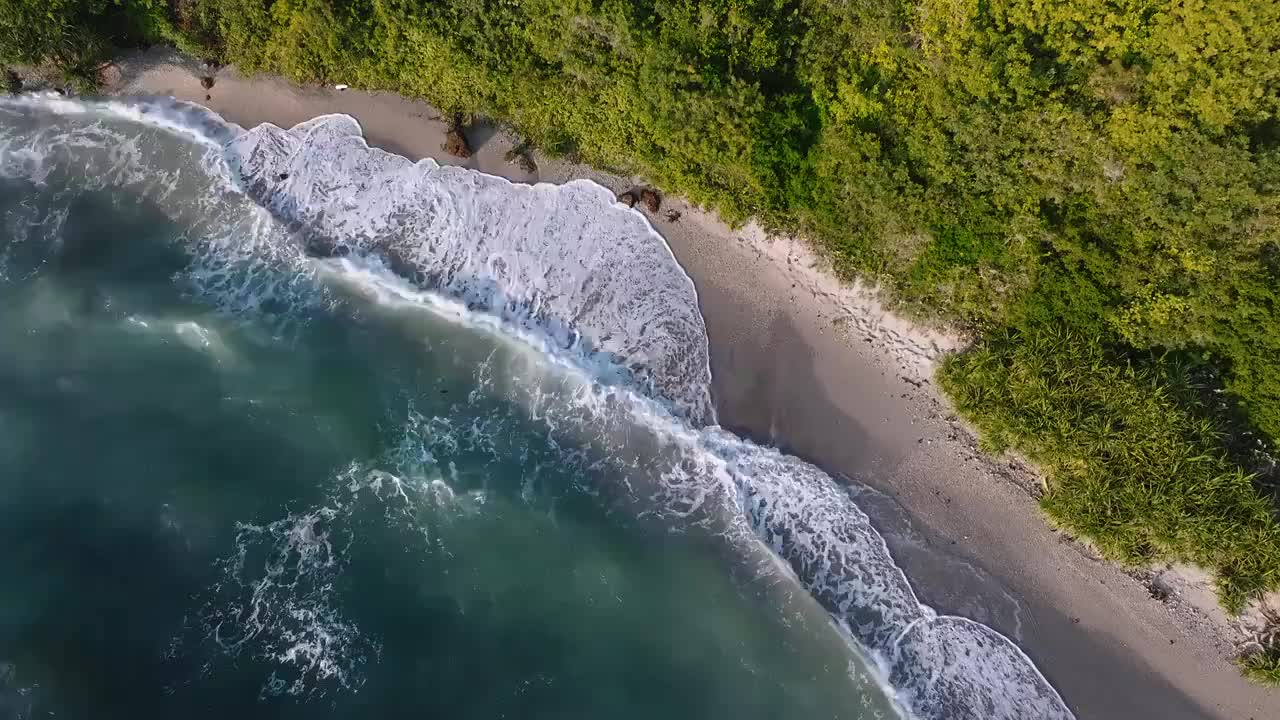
342 515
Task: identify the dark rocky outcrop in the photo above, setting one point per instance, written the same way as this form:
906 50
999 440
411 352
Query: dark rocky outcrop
12 82
206 82
628 198
522 156
455 141
319 247
651 199
515 152
108 75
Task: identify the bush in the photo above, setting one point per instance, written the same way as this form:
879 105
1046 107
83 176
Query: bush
1127 467
76 35
1263 666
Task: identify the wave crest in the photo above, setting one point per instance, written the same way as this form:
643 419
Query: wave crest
567 260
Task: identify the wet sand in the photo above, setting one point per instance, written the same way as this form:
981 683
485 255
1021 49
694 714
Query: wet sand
817 368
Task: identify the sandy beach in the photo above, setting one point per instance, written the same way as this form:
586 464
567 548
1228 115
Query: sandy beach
820 369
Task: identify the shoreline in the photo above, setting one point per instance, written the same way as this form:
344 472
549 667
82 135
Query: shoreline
823 372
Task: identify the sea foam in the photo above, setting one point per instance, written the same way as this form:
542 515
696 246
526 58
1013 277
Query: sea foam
595 291
566 260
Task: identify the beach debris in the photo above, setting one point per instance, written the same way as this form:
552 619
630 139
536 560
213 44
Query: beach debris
206 82
208 97
673 216
628 198
455 142
521 156
651 199
340 87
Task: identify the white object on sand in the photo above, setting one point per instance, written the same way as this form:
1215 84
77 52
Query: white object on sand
339 87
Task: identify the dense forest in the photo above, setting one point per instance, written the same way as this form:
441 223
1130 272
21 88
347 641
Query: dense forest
1091 188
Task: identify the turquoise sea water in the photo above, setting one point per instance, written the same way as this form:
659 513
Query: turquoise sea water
293 427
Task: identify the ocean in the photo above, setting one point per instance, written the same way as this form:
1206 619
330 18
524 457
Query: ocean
294 427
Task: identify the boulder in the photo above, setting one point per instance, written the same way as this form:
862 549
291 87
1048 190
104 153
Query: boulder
628 198
455 142
206 82
108 75
651 199
520 156
318 247
12 82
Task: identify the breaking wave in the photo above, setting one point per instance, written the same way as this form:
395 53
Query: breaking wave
581 282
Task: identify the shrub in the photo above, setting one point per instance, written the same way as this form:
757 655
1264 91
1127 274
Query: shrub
1127 467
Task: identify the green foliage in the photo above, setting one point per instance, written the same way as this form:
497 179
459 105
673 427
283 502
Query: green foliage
1262 667
59 30
76 36
1110 167
1128 467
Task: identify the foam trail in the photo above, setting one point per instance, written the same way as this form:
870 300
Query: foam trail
588 283
939 667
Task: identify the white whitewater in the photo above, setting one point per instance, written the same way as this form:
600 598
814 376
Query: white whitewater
589 284
557 258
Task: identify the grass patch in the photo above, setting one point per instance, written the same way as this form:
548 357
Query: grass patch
1129 468
1261 663
1263 666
